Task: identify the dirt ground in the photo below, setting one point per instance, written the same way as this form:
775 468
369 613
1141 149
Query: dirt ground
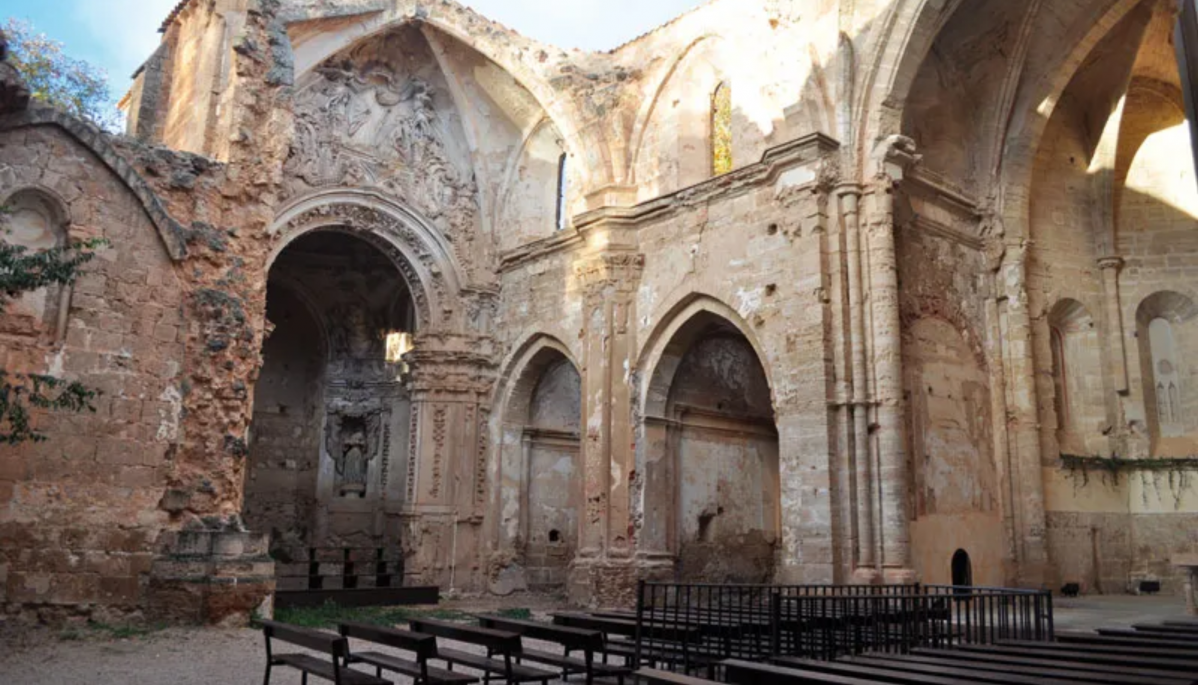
175 656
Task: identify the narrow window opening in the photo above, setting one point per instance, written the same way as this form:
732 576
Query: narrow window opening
721 130
563 171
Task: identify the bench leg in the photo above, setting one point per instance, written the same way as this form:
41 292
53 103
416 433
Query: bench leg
304 678
266 680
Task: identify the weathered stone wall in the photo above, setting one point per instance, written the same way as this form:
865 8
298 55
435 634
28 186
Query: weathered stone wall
81 514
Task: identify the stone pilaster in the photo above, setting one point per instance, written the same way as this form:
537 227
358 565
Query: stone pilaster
1111 266
605 570
452 377
889 423
1026 472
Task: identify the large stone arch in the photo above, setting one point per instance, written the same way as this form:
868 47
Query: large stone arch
421 253
535 470
708 488
654 376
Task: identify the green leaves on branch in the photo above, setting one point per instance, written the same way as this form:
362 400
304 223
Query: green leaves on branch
59 80
20 391
23 271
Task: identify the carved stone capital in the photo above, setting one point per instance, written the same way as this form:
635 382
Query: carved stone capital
893 156
452 364
1111 263
618 270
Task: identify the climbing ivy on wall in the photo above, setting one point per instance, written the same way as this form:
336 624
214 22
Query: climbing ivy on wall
24 271
1154 472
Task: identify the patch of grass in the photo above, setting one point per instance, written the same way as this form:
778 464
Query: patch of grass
330 614
519 613
70 635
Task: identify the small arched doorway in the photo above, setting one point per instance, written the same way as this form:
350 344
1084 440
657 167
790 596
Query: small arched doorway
330 406
962 569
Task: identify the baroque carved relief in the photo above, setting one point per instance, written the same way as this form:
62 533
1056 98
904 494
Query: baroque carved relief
360 123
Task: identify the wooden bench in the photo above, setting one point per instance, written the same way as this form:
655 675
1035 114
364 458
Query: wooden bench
589 642
1093 657
739 672
502 644
331 646
948 669
997 660
871 674
1044 670
660 644
657 677
424 647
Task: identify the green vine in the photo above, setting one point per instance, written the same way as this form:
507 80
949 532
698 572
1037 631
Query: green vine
1179 470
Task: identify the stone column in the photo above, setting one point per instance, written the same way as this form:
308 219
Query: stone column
604 571
865 565
452 377
893 484
1023 418
1114 315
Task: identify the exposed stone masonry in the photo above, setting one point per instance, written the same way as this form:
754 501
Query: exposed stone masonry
337 309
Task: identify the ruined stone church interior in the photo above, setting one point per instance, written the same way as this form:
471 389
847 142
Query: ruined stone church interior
794 291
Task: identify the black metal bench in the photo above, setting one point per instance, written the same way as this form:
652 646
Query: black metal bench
332 647
423 647
504 645
589 642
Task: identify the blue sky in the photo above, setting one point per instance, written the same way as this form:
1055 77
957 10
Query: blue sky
118 35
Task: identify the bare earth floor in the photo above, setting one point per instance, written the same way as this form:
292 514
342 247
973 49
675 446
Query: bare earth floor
234 657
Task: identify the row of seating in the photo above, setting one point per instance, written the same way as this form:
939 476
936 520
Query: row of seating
1161 654
501 638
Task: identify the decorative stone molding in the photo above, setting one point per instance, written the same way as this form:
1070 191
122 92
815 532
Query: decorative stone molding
418 249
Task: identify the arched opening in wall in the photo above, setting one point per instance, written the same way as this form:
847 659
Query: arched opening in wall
544 418
716 426
35 221
330 407
721 129
1167 328
962 569
1077 376
563 181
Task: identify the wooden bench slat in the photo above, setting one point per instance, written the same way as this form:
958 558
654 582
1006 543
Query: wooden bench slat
870 673
519 672
958 670
1047 662
740 672
412 669
654 675
324 669
949 659
1133 651
1091 657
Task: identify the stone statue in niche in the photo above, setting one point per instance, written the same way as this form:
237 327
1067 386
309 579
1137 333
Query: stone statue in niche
352 441
364 126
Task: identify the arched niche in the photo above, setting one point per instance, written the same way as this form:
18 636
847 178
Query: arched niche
332 413
710 453
540 475
1077 374
36 220
1167 331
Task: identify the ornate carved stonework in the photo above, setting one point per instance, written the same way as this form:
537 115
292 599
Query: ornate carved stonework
361 124
371 224
353 435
